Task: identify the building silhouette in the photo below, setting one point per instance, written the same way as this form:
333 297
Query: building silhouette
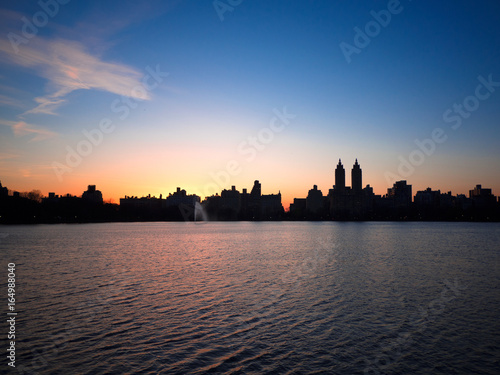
4 192
341 203
339 178
357 203
297 209
483 201
92 195
400 198
350 203
231 205
315 202
356 178
178 206
226 206
180 197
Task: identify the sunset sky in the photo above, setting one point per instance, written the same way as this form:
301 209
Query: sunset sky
141 97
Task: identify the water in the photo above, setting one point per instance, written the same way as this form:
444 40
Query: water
256 298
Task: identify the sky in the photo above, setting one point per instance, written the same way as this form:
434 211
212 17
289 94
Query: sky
139 98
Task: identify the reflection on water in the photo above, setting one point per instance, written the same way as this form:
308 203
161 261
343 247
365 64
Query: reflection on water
253 298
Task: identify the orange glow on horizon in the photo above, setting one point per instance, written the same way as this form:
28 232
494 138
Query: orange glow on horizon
112 192
155 171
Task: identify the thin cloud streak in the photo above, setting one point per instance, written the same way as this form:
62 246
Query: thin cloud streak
10 102
69 67
21 128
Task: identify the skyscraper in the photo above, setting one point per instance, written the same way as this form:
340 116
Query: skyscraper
356 178
340 177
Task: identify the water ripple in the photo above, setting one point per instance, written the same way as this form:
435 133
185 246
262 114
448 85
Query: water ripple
244 298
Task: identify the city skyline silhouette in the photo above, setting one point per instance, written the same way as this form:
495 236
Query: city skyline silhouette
250 186
342 202
138 114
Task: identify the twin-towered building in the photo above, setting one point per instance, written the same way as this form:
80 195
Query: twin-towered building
356 177
357 203
341 203
352 202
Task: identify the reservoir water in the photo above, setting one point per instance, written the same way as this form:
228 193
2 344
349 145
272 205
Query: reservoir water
255 298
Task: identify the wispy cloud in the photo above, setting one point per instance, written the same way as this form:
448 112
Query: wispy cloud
21 128
10 102
69 67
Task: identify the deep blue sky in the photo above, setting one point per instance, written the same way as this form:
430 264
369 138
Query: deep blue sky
225 79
